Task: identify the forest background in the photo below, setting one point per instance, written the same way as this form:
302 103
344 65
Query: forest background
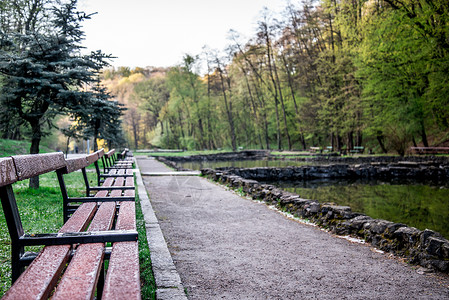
340 73
323 73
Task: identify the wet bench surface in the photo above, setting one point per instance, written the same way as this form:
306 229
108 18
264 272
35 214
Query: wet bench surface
84 275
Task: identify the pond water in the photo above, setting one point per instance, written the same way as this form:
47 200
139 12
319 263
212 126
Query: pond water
421 205
198 165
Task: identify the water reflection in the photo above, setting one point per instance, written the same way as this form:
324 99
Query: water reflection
418 204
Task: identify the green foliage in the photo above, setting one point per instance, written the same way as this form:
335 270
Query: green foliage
99 118
43 70
324 73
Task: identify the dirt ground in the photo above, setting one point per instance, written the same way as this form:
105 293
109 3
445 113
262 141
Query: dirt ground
228 247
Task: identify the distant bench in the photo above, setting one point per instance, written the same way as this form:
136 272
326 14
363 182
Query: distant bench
430 150
72 261
357 149
314 149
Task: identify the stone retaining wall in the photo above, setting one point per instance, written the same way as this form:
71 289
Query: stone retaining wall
404 169
426 248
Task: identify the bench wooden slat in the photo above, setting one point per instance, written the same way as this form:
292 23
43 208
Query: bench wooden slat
108 182
80 279
123 277
109 153
126 219
80 218
32 165
129 182
119 181
104 217
430 150
40 278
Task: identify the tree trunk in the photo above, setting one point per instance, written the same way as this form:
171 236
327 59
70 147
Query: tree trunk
228 106
96 133
67 147
350 141
359 138
282 105
381 143
303 141
253 106
292 92
135 134
267 140
34 149
275 92
424 135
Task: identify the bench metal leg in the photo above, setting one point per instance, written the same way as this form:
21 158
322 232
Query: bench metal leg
100 284
16 267
64 196
15 228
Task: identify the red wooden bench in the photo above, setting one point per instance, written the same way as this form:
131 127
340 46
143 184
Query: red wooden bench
110 161
71 265
115 188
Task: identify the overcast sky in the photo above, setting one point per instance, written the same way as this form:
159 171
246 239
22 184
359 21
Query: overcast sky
159 32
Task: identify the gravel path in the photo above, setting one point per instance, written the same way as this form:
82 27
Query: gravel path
228 247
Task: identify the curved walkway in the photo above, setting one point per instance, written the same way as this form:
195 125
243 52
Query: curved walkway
228 247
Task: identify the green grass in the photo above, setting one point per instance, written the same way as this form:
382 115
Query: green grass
11 147
147 280
41 212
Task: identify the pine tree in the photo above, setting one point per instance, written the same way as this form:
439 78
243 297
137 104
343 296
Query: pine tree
44 71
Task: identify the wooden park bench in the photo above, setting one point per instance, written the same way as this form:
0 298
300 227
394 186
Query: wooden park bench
125 155
315 149
110 161
71 265
328 149
430 150
357 149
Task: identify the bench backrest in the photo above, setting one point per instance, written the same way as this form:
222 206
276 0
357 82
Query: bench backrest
110 153
100 153
91 158
108 160
8 173
75 164
32 165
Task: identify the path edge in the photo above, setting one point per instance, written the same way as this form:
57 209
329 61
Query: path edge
168 281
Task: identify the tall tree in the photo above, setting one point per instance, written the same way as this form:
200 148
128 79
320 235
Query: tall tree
45 72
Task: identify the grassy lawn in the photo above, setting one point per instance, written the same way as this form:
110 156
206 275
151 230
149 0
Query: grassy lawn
10 147
41 212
